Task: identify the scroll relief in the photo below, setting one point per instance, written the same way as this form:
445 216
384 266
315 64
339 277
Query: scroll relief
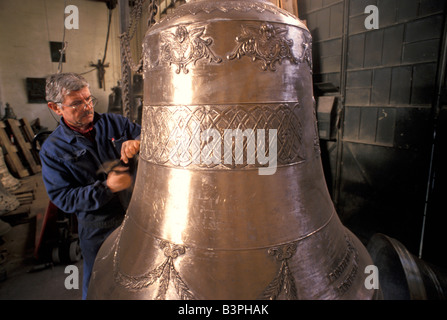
266 43
164 274
283 284
186 46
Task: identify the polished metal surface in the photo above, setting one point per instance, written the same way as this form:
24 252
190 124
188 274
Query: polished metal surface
243 218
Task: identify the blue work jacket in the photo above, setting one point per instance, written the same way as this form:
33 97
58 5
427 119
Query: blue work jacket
70 165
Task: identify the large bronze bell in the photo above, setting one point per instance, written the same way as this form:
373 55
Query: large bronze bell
230 200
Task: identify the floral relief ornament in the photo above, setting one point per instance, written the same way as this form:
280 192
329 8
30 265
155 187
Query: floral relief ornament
266 43
165 273
183 47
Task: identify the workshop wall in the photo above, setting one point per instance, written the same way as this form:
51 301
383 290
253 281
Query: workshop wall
385 82
26 29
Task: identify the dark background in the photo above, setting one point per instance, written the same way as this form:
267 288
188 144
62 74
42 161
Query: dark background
389 85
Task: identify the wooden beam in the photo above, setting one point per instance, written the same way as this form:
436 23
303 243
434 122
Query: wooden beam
290 5
11 153
28 134
24 146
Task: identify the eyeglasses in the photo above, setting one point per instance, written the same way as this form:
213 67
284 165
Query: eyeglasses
91 102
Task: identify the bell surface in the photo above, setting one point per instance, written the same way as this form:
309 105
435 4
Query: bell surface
230 199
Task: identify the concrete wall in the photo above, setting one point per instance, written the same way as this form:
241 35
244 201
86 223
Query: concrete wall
27 27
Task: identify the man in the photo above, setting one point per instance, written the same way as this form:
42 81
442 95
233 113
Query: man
74 163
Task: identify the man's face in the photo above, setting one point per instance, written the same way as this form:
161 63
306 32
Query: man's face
80 116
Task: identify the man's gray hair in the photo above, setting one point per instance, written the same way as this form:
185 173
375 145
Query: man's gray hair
59 85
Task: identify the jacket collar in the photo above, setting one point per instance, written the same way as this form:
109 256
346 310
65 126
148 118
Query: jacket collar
69 135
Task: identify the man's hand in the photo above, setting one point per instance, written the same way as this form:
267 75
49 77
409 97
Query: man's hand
129 149
119 179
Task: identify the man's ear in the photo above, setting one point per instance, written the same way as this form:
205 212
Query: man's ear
53 106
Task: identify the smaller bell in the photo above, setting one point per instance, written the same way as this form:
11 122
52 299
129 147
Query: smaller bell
404 276
9 113
115 100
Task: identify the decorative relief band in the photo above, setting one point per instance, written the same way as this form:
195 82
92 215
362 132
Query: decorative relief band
282 286
186 46
266 43
181 135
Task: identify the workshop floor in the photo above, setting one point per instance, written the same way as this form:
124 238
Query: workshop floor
22 277
44 284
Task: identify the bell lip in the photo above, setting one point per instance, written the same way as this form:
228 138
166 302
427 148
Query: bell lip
109 272
277 15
